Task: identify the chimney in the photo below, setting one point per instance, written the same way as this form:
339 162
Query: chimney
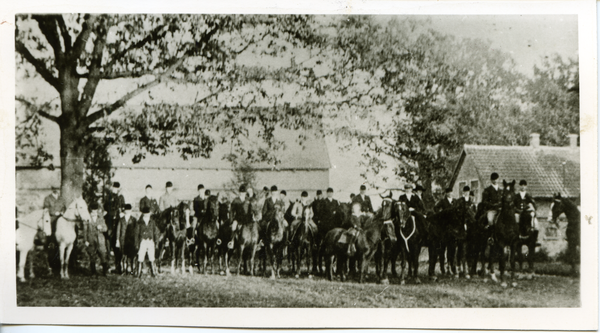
573 140
535 140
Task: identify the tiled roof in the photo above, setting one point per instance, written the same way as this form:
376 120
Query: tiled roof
311 155
547 169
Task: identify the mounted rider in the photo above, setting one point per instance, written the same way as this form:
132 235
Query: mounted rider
168 199
270 207
149 201
241 209
413 202
525 208
446 202
364 200
491 200
54 206
302 210
200 204
331 210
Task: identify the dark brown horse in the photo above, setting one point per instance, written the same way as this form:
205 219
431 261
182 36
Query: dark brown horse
528 236
387 244
559 206
275 241
246 238
367 242
302 241
179 233
164 221
411 237
207 233
505 233
225 243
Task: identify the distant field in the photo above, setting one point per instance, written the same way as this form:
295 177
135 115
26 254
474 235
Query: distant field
555 290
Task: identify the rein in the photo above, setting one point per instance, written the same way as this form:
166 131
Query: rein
411 234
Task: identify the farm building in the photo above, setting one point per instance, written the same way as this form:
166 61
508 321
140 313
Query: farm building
548 170
301 167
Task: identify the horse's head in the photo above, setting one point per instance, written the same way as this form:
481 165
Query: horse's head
508 194
44 223
386 209
184 213
80 209
212 210
402 213
556 208
307 213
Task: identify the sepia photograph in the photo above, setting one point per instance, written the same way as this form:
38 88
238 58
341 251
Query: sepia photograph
250 160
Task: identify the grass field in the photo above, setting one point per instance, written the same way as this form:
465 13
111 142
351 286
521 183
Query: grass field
167 290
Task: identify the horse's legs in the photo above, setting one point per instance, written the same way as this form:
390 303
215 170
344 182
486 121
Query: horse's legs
252 256
416 254
68 250
452 257
383 262
22 261
435 251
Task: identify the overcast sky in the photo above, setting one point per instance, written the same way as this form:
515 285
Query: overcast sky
527 38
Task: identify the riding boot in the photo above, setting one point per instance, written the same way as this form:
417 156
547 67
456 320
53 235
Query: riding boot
151 268
104 268
93 268
140 268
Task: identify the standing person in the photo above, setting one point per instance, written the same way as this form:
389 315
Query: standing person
122 227
129 246
93 236
465 198
149 201
364 200
114 207
146 236
446 202
200 203
524 205
168 199
491 200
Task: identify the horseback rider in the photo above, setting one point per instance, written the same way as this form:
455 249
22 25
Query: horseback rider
413 202
446 202
168 199
269 208
149 201
200 204
331 209
55 206
302 210
241 209
491 200
93 236
317 207
524 206
364 200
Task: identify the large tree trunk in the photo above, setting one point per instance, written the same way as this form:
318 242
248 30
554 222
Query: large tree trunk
72 152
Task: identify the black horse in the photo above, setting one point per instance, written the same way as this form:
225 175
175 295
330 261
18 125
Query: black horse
207 233
225 242
164 222
559 206
505 233
528 236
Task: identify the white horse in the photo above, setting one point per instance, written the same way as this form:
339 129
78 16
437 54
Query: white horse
29 226
65 234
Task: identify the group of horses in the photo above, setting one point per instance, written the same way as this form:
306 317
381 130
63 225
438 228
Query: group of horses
391 233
